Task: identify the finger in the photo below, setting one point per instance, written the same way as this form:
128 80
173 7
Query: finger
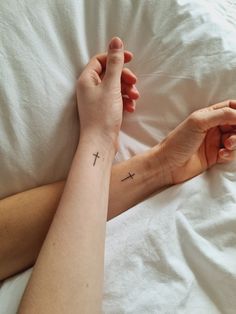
225 156
232 103
128 76
90 75
230 142
227 128
224 143
227 103
98 64
102 58
204 119
115 62
129 90
128 56
129 104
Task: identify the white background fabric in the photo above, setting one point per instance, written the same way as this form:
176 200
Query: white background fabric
175 252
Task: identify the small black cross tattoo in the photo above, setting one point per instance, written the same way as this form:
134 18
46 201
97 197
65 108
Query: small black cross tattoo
129 176
95 159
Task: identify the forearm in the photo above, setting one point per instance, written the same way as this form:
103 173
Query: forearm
24 222
135 179
75 242
26 217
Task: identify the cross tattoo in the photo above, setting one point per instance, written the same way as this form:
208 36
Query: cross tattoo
129 176
95 159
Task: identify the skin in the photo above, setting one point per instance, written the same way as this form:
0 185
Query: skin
26 217
207 137
197 144
23 228
72 255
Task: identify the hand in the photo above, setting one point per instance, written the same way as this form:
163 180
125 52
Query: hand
104 89
205 138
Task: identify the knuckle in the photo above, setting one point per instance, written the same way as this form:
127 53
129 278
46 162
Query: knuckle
195 117
227 112
197 120
115 58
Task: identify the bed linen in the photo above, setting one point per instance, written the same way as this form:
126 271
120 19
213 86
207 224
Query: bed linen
176 251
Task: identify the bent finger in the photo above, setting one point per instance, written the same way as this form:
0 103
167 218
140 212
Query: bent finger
227 103
225 156
204 119
230 141
128 76
227 128
98 62
102 60
129 104
102 57
129 90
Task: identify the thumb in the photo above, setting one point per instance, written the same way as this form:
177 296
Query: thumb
115 62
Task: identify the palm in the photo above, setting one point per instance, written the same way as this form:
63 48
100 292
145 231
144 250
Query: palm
203 154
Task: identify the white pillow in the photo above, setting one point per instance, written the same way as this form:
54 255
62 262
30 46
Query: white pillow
185 57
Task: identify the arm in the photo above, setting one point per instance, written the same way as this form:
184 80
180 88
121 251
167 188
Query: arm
135 179
26 217
205 138
24 223
23 227
69 268
75 242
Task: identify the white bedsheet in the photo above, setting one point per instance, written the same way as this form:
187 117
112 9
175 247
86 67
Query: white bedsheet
176 251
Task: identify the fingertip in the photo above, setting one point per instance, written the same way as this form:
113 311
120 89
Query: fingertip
230 141
135 93
128 77
129 109
227 144
132 80
232 103
130 91
129 104
128 56
116 43
114 63
224 153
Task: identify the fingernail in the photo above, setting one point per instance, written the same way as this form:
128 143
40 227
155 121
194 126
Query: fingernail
116 43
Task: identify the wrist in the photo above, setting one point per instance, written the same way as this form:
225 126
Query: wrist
96 142
159 167
100 137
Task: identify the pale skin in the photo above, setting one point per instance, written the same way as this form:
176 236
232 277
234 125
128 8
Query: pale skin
196 144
